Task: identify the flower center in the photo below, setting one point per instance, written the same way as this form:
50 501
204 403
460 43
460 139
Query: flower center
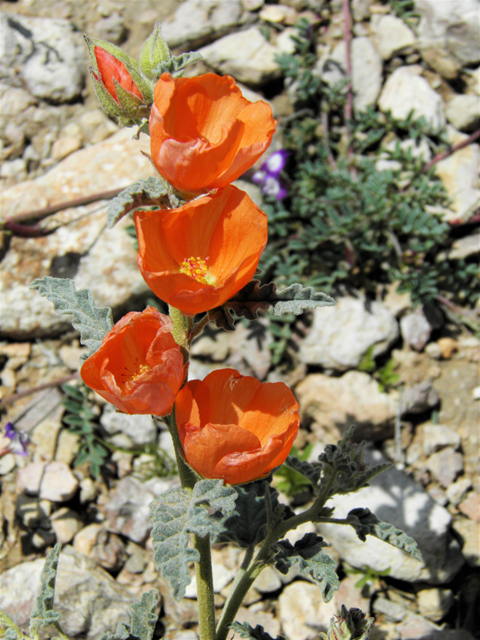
143 368
197 269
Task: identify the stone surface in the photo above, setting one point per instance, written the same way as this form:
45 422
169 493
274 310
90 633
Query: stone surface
103 261
198 21
471 506
465 247
463 112
47 55
418 399
416 330
140 429
445 466
302 611
58 483
255 615
459 174
334 404
101 545
448 34
366 71
457 491
434 604
341 335
245 55
30 477
393 497
278 14
436 437
128 510
405 91
390 35
65 523
469 532
87 597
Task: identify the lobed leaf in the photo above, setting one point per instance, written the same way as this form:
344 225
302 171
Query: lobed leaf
143 619
91 321
149 192
307 554
176 64
43 613
247 524
245 630
311 471
179 512
366 523
255 297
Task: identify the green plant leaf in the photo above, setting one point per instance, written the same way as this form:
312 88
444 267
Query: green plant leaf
312 471
245 630
366 523
255 297
92 322
176 64
43 613
143 619
179 512
149 192
10 629
247 524
307 554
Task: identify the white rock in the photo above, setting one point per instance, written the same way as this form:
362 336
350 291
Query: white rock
58 483
141 429
88 599
405 91
448 34
445 466
459 174
342 334
434 604
466 246
463 112
246 55
416 330
302 611
361 9
393 497
197 21
65 523
268 581
391 35
47 54
278 14
102 261
335 403
438 436
30 477
7 464
222 576
366 71
456 492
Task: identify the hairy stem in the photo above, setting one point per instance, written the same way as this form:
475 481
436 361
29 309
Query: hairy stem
205 594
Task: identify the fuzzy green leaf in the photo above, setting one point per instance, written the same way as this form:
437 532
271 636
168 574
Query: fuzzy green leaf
247 525
366 523
179 512
43 614
92 322
245 630
311 471
149 192
255 297
176 64
307 554
9 628
143 619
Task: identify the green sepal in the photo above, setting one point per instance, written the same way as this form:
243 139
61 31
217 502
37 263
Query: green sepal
108 103
349 625
155 51
132 104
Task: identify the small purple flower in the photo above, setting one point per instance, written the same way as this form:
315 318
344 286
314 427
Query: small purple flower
269 175
18 441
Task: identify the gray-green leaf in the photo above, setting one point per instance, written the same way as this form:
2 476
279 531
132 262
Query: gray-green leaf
307 554
245 630
179 512
366 523
143 619
149 192
43 614
91 321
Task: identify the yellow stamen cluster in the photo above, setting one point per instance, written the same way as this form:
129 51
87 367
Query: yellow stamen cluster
143 368
196 268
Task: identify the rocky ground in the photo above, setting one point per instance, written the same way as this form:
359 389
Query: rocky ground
57 146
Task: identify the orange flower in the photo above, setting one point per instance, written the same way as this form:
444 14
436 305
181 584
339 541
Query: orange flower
198 256
204 133
139 366
234 427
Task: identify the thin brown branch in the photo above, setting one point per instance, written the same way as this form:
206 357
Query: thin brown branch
28 392
449 152
40 214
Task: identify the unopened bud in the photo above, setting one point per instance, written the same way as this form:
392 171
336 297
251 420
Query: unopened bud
155 51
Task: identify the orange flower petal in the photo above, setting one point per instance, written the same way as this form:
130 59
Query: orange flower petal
139 366
204 133
109 68
234 427
225 229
